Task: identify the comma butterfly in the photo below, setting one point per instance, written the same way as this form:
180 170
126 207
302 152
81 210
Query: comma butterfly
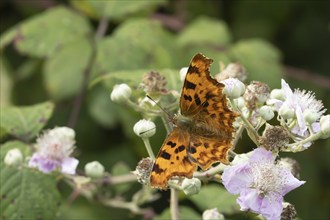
203 131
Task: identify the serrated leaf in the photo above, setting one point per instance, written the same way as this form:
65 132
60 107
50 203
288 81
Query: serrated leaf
260 58
212 196
46 32
206 32
184 213
25 122
27 194
122 9
64 70
136 44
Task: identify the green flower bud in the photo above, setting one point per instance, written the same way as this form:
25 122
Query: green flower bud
310 116
325 126
191 186
14 157
212 214
266 112
277 94
94 169
286 112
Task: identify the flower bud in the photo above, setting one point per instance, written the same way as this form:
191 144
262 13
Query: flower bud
233 88
325 126
94 169
144 128
286 112
212 214
14 157
120 93
239 102
266 112
183 73
277 94
191 186
310 116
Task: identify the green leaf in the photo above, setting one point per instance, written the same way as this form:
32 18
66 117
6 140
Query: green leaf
184 213
64 70
136 44
206 32
134 78
45 33
121 168
212 196
5 82
122 9
27 194
27 121
260 58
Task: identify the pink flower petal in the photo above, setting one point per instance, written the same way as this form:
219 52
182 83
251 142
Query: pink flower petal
236 178
69 165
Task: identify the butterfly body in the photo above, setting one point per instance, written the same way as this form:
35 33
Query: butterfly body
203 130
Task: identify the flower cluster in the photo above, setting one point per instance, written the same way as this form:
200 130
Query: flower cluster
54 148
260 178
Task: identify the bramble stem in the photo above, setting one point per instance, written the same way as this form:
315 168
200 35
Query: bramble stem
148 147
250 129
174 205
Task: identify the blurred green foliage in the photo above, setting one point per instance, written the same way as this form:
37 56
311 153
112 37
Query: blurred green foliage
50 49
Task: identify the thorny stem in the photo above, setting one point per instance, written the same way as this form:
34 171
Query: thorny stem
87 72
174 206
148 147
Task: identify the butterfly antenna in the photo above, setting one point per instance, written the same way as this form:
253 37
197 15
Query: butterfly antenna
166 112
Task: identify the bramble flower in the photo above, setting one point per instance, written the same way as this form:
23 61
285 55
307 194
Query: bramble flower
143 170
154 84
300 109
53 151
261 183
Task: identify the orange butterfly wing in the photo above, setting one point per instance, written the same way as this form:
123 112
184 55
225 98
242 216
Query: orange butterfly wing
202 98
172 160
